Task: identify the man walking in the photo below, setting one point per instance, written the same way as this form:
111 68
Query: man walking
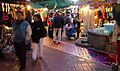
21 36
57 26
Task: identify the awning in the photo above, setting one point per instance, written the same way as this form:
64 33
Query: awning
54 4
62 5
48 4
34 5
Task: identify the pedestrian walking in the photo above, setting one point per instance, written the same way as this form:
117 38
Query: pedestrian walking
21 36
116 41
10 20
38 33
76 22
116 33
57 27
50 27
28 18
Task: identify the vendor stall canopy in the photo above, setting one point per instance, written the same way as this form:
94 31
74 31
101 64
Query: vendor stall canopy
53 4
34 5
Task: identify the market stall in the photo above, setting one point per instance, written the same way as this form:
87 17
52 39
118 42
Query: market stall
97 23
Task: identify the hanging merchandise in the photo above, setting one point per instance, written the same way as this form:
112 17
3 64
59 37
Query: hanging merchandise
100 15
5 14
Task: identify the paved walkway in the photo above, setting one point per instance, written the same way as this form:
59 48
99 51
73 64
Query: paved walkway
64 57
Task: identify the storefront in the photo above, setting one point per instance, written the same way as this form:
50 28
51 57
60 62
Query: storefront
98 23
95 14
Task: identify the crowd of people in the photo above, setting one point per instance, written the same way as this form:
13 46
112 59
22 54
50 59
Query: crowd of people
59 22
28 33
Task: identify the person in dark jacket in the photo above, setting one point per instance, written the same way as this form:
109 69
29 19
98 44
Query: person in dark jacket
10 20
38 32
76 22
57 26
28 18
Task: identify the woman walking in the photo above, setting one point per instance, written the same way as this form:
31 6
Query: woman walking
38 34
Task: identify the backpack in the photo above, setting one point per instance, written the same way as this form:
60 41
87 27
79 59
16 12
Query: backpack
19 31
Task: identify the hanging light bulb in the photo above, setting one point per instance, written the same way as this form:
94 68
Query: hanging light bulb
28 7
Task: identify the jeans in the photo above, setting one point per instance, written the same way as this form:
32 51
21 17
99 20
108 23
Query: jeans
59 34
21 53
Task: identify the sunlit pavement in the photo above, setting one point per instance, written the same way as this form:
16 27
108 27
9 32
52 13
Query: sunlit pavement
63 57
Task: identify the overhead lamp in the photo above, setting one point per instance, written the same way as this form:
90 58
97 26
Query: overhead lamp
28 7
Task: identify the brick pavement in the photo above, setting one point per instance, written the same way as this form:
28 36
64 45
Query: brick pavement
57 58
